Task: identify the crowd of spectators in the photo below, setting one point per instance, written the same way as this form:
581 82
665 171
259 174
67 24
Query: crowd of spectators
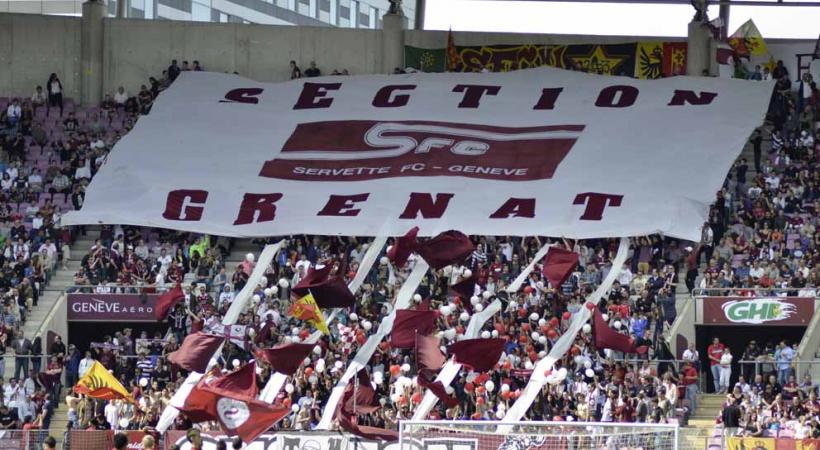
761 236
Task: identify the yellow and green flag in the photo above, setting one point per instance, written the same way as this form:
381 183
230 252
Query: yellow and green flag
306 309
747 40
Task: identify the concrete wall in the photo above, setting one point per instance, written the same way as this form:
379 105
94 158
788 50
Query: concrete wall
137 49
33 46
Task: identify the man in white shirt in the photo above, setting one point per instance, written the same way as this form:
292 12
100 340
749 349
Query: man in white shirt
85 364
691 354
14 112
10 393
112 413
121 96
38 98
303 263
164 260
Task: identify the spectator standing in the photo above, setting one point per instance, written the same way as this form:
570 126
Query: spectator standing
725 370
55 93
313 71
295 71
689 379
22 351
173 71
120 97
784 362
714 353
731 420
38 98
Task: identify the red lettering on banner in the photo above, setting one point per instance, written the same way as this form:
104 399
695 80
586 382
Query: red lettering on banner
314 95
343 205
626 96
242 95
383 96
548 98
682 97
473 93
515 207
596 203
178 205
257 208
423 203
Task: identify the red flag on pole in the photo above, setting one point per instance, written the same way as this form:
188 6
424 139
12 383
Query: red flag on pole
606 337
168 301
429 360
286 358
558 265
407 323
402 247
466 289
348 410
480 355
329 292
196 351
449 247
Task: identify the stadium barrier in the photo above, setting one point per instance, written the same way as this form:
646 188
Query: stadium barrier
22 439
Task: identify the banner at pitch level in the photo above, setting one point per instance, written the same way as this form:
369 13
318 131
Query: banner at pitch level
532 152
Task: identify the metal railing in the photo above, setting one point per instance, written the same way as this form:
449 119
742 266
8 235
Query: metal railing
728 292
762 361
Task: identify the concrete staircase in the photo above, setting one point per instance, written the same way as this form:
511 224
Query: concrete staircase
702 422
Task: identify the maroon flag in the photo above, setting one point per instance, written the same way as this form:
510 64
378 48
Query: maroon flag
407 323
196 351
242 380
168 301
242 415
449 247
429 360
606 337
558 265
286 358
329 292
348 410
480 355
403 247
200 405
466 289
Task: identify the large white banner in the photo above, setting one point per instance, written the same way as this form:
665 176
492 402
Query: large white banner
532 152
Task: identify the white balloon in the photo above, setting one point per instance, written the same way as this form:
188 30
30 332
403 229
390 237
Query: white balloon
307 361
256 298
449 390
447 270
378 377
389 248
542 354
143 382
384 260
534 317
294 331
479 307
296 339
589 373
534 335
445 310
450 333
338 364
367 325
495 333
320 369
617 324
513 304
417 298
313 379
474 300
250 257
587 328
273 290
489 386
542 340
289 388
542 321
499 414
440 334
354 317
528 365
578 360
263 282
464 316
268 292
365 246
485 334
505 387
405 367
562 373
283 283
294 408
382 401
486 295
467 273
605 317
317 349
235 363
588 364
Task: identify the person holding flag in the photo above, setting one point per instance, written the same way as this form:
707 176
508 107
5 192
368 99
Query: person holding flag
99 383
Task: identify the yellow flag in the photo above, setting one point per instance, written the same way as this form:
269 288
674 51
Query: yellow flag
306 309
747 40
99 383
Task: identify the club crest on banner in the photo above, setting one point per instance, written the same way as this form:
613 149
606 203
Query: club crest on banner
232 413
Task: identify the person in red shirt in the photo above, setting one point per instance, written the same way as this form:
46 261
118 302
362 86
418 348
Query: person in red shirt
689 379
715 351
